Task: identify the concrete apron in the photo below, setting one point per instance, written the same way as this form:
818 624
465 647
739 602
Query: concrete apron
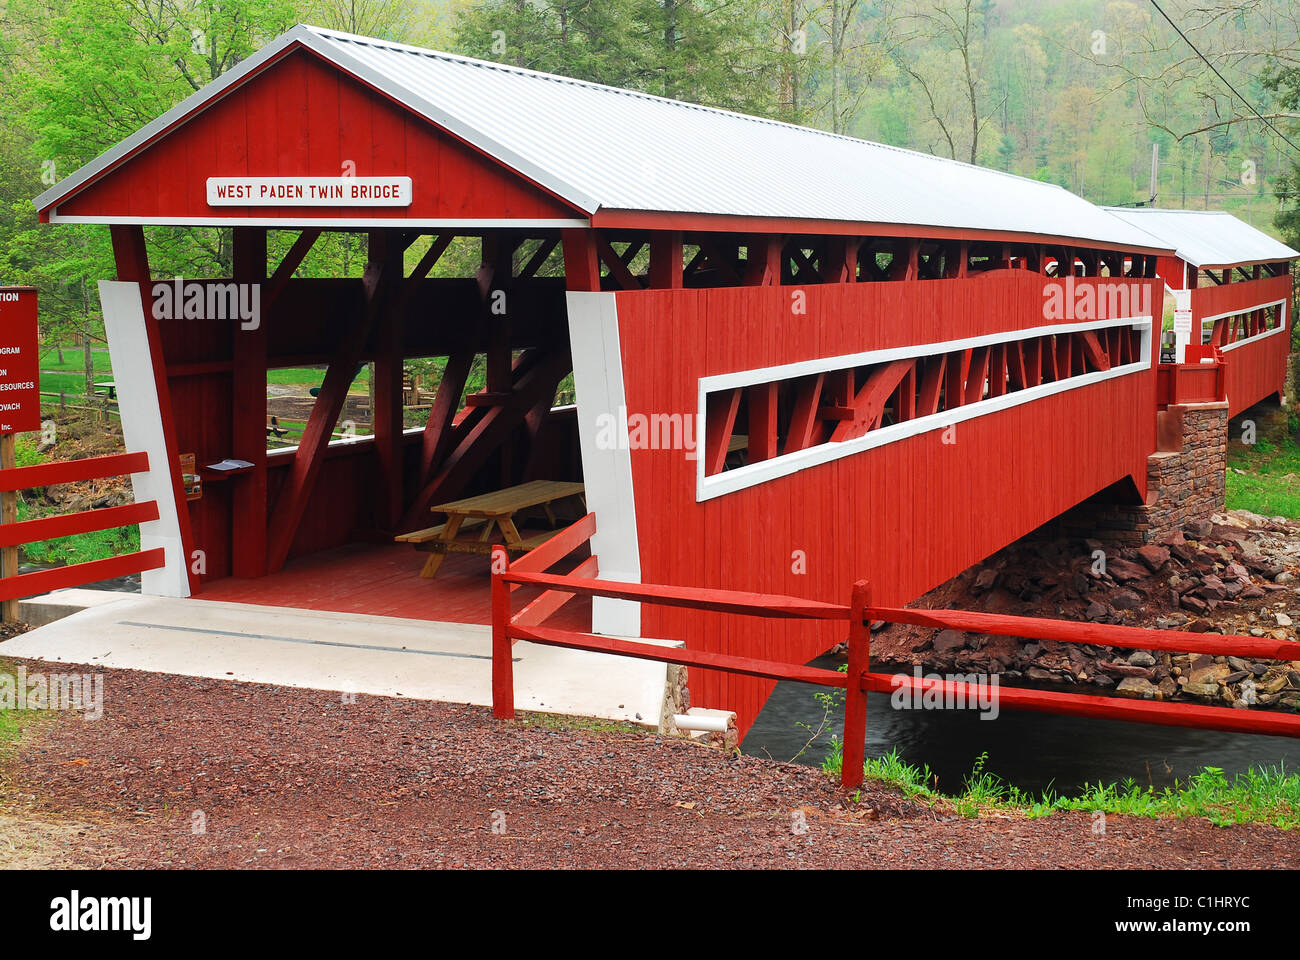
354 653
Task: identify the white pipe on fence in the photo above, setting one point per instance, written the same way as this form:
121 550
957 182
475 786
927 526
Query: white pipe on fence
701 724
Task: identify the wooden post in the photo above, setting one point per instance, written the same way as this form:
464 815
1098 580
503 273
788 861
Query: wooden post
8 514
386 400
248 411
503 669
855 698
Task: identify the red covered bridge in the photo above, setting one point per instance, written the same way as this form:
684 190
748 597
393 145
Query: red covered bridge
1238 281
798 358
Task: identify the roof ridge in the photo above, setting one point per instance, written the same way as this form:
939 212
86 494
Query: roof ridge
360 40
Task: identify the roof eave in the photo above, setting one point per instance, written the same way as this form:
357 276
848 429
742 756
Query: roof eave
1241 263
618 218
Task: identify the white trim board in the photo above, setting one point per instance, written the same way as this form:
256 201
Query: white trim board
1280 328
142 429
1258 306
606 473
1255 339
305 221
708 487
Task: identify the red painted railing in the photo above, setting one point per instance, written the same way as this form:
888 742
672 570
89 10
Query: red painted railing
1202 379
70 524
858 681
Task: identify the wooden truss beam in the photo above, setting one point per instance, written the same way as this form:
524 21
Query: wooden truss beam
291 503
869 402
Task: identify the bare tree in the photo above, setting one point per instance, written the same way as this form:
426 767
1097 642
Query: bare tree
955 33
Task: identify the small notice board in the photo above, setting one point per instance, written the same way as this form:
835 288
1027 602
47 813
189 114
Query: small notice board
20 368
1182 323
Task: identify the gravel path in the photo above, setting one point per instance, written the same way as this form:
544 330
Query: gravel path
279 777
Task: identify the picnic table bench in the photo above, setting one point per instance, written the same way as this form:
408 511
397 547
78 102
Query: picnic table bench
489 514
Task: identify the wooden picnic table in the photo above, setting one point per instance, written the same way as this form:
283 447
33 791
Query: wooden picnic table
489 514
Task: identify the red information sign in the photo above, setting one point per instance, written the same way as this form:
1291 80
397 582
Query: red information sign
20 368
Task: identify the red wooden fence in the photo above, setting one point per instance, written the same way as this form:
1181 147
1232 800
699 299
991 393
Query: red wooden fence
858 681
87 521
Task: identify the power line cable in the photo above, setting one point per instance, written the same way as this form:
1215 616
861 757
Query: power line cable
1197 51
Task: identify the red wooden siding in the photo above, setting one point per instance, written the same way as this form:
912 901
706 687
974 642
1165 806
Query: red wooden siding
301 117
907 515
1256 369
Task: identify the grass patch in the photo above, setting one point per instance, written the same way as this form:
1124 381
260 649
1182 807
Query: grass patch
1259 795
25 454
1270 484
79 548
571 724
96 545
74 360
14 724
311 376
73 384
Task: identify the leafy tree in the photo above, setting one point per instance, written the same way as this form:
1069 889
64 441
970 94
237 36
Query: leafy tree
705 51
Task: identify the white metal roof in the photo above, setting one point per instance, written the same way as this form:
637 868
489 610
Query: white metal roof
602 148
1207 238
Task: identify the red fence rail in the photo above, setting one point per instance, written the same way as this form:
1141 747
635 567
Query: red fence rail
859 680
70 524
1202 379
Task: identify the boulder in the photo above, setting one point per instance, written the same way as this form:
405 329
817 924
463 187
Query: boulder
1153 556
1136 688
1125 570
1125 599
1215 673
1205 691
1235 571
949 640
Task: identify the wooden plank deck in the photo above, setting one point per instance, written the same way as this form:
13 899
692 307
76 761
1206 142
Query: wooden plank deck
383 580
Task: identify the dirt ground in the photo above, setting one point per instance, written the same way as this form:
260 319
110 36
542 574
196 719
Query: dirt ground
189 773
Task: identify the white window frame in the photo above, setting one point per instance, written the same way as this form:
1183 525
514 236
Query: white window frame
1280 328
740 478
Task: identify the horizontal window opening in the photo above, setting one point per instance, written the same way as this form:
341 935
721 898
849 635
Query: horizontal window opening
796 417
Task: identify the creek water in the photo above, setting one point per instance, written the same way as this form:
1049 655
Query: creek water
1032 751
127 584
